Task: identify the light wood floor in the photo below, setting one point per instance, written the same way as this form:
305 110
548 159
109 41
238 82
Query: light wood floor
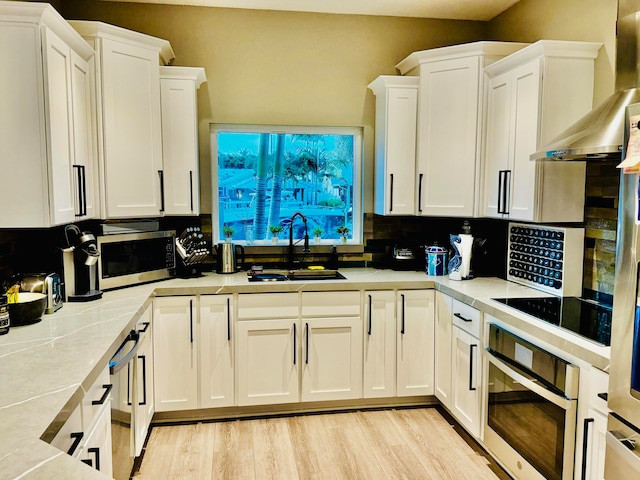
416 443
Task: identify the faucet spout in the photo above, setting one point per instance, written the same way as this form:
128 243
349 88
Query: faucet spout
305 248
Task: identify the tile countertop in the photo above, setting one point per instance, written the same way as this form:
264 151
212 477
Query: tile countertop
47 366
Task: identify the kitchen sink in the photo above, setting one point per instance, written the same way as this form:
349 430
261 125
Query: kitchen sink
301 274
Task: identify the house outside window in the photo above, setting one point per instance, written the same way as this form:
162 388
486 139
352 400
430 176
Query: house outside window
262 175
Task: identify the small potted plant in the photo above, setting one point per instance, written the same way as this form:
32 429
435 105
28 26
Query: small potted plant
343 231
275 231
228 231
317 232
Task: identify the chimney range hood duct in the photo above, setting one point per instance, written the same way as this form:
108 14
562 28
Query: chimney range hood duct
599 134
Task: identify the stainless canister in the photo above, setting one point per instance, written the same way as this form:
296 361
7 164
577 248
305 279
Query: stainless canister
436 263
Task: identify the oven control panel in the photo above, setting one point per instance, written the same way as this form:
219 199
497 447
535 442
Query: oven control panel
546 258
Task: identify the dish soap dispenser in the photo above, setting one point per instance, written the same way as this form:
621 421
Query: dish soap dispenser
460 263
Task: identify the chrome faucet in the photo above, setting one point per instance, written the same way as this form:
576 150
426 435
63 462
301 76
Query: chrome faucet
305 248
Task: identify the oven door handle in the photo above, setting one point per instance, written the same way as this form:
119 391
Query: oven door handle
116 365
560 401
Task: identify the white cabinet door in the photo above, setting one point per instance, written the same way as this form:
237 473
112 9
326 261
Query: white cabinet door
178 88
332 358
175 353
596 445
395 148
57 59
267 361
379 379
85 161
96 451
497 148
216 338
525 112
465 404
448 136
144 381
415 358
443 342
132 132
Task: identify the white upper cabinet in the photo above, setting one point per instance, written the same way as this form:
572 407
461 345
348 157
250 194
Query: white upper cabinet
129 128
395 144
532 96
46 152
449 124
179 106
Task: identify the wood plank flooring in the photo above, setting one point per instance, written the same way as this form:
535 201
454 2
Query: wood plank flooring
415 443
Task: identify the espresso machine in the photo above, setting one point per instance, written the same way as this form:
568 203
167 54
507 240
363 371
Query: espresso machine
79 263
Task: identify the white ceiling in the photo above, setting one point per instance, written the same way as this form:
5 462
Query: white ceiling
451 9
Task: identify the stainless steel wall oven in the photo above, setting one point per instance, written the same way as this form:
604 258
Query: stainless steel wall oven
531 403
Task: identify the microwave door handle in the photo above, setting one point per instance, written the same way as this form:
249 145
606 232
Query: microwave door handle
554 398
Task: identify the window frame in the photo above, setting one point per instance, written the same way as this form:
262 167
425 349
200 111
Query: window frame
358 177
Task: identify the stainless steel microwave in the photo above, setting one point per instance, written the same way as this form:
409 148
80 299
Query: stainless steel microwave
132 258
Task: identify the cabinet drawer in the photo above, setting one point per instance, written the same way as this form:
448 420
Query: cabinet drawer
268 305
467 318
330 304
95 398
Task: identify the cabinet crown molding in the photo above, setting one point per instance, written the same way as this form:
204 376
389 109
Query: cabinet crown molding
197 74
88 28
544 48
44 14
497 49
380 84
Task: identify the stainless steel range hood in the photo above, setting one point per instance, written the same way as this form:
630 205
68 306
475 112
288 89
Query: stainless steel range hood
598 135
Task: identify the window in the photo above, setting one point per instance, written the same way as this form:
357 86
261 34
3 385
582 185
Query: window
263 175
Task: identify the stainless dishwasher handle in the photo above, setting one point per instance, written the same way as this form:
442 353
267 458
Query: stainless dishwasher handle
116 365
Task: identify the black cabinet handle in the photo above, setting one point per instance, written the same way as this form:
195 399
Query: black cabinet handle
507 191
501 174
96 452
82 191
144 379
228 319
457 315
129 384
295 343
391 192
77 438
306 353
191 321
145 327
107 389
191 188
420 192
604 396
369 328
402 324
504 180
161 175
471 348
87 461
585 446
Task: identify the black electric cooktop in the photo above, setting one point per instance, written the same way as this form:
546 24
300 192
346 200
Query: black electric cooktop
586 318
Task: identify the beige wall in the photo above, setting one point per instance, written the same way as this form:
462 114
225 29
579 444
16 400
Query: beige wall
586 20
282 67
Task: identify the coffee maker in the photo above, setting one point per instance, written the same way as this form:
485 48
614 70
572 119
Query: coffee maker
79 259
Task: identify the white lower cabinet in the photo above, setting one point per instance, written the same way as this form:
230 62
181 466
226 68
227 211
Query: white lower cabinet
193 352
379 355
458 361
398 343
466 398
268 349
216 351
414 350
176 353
268 359
443 343
592 427
86 435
